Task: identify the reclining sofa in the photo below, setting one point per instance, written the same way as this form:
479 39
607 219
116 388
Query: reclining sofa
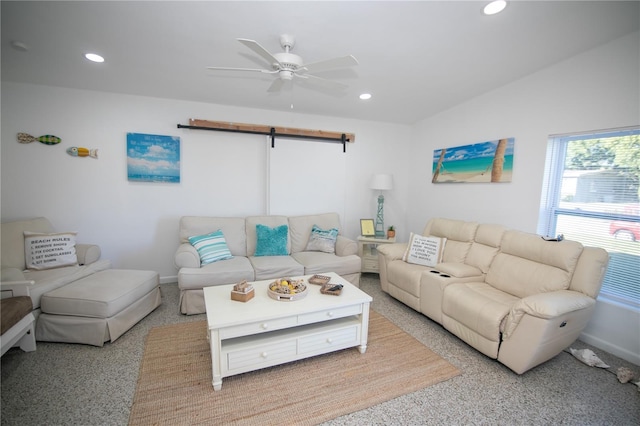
511 295
245 263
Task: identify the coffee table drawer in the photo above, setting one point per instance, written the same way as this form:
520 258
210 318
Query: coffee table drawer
330 314
330 340
253 358
257 327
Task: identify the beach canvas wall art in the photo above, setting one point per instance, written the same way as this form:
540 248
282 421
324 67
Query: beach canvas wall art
490 161
153 158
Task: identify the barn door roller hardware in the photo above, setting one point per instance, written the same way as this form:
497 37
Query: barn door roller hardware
273 132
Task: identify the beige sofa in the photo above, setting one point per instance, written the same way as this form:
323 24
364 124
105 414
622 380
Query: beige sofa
509 294
241 239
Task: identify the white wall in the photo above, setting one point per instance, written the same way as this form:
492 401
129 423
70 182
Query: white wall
596 90
223 174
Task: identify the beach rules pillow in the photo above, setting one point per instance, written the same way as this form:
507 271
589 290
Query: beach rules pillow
423 250
46 251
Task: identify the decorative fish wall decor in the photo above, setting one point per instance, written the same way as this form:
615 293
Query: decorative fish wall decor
78 151
45 139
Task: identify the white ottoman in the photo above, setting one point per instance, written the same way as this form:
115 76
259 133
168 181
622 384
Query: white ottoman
98 308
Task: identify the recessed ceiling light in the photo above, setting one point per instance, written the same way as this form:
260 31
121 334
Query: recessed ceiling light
495 7
93 57
365 96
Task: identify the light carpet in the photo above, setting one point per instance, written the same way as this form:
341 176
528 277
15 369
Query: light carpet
174 385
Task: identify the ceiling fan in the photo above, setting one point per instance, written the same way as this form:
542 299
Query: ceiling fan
287 66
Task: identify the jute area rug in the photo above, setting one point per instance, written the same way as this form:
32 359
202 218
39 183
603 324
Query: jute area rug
174 385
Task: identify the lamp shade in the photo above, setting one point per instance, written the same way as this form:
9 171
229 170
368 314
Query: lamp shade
382 182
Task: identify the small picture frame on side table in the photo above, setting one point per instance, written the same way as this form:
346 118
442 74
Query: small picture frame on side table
367 228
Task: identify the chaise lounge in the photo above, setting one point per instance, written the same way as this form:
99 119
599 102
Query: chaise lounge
75 296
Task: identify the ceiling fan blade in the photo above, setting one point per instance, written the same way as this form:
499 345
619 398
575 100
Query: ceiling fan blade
329 64
257 48
319 81
241 69
276 85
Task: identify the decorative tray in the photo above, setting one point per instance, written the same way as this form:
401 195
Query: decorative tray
333 289
319 279
286 289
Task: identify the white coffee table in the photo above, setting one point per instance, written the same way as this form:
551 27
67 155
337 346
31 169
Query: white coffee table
263 332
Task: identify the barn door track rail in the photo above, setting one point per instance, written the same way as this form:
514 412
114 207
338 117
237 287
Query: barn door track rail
280 132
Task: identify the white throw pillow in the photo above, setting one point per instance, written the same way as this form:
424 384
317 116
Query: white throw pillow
46 251
423 250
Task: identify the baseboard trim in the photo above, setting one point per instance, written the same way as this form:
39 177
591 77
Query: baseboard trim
169 279
612 349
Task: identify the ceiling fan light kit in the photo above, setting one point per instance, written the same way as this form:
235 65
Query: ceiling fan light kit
289 66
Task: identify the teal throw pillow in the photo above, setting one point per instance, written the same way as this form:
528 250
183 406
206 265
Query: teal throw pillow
271 241
211 247
322 240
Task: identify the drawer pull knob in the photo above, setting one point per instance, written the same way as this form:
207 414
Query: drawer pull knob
265 326
263 354
329 314
329 340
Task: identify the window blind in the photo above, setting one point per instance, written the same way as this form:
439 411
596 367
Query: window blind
591 195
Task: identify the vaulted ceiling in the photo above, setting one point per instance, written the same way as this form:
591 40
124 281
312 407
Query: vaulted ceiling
416 58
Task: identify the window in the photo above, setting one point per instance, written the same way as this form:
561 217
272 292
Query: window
591 195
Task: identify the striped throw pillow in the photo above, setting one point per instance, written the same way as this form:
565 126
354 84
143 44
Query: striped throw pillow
211 247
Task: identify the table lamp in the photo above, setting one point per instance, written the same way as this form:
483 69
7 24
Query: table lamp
381 182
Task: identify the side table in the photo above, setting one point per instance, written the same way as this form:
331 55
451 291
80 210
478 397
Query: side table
367 250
